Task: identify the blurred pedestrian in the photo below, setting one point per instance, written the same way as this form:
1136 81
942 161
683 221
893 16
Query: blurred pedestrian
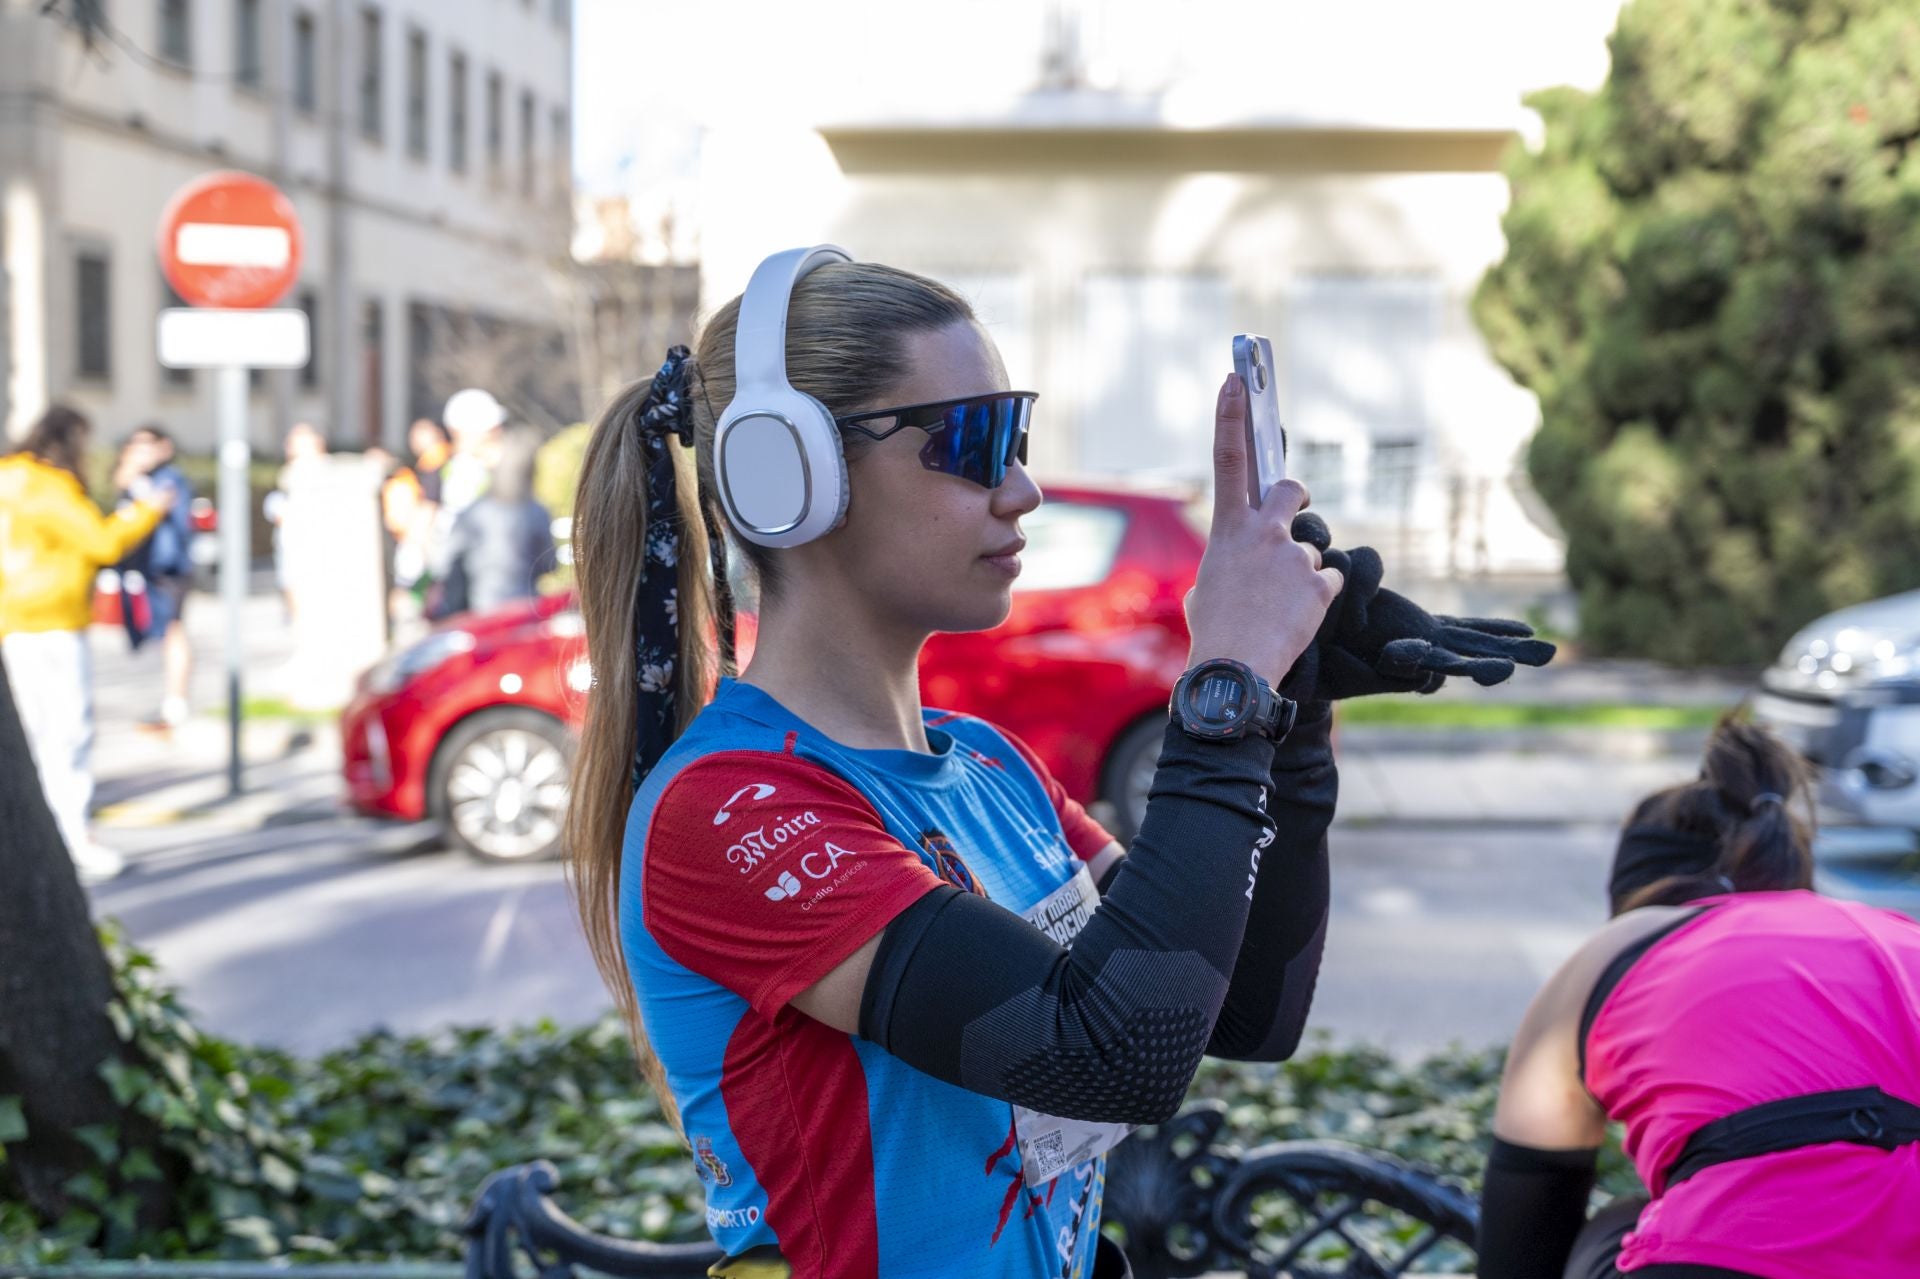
410 507
53 542
299 540
500 545
474 419
162 568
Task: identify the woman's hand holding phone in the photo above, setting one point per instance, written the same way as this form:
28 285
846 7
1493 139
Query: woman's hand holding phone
1260 596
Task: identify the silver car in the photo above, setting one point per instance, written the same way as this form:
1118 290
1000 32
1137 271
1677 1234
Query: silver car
1846 694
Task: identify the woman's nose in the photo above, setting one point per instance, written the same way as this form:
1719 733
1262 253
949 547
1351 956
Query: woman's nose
1017 494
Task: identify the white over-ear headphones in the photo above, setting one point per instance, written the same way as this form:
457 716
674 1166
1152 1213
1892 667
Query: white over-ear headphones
776 450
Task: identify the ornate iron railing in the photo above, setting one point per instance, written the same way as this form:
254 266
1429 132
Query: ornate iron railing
1185 1205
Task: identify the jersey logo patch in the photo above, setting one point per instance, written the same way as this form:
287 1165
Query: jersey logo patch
709 1165
947 862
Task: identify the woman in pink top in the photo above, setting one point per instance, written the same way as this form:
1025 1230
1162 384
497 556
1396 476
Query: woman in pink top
1759 1043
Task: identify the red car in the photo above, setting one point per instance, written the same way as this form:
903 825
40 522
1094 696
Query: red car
474 724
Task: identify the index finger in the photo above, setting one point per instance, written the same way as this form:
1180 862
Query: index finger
1230 453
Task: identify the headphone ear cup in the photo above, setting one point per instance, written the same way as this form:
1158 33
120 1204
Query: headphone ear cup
780 468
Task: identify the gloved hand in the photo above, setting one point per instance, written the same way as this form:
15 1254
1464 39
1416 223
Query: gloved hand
1378 641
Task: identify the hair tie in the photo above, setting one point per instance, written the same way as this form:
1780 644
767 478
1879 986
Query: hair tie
663 414
666 409
1762 800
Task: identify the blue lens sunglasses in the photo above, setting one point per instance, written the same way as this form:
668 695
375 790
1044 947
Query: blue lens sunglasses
976 438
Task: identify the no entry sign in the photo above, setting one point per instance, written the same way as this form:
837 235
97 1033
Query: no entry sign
230 240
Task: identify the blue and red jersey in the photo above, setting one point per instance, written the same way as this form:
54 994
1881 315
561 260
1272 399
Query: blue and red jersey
760 855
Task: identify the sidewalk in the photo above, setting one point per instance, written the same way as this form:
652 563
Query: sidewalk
1530 776
1453 783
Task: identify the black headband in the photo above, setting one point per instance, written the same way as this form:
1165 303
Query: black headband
1649 854
664 415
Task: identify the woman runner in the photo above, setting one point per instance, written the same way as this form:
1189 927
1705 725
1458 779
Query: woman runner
839 921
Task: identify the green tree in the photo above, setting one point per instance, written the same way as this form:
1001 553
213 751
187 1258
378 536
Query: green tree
1712 283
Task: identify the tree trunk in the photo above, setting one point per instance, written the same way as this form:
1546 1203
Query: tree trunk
55 985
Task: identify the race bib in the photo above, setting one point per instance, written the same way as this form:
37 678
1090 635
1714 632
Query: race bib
1049 1144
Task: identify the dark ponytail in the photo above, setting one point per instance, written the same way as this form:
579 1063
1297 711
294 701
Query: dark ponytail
1745 826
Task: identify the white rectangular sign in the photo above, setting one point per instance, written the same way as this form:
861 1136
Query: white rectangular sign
206 338
223 244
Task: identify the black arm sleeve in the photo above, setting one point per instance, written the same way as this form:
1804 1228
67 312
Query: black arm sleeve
1532 1206
1113 1028
1279 962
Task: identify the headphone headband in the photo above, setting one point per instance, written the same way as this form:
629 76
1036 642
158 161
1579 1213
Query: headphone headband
760 336
776 450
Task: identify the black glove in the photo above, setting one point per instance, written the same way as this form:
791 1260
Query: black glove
1378 641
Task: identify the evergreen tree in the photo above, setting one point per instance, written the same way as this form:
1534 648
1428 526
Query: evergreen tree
1712 283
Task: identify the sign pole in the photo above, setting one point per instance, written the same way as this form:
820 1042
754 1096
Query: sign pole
229 244
236 542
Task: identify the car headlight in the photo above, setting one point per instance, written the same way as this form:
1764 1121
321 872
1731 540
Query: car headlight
1851 657
417 659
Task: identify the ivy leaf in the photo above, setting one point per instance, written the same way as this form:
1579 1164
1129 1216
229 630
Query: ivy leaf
279 1174
257 1231
13 1121
140 1166
122 1023
102 1139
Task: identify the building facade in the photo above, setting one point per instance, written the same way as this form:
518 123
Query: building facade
1120 188
425 143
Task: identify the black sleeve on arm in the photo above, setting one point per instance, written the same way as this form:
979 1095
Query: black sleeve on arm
1279 962
1532 1206
1112 1028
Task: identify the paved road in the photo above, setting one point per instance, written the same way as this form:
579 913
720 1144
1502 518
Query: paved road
1462 878
304 934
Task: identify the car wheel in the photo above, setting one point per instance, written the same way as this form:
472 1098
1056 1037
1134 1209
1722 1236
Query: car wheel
500 783
1128 776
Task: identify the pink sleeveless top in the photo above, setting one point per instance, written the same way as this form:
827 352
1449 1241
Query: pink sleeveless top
1765 996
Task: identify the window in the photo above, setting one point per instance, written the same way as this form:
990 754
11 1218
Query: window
526 143
373 343
1358 350
370 74
93 337
309 302
1321 465
177 379
306 65
176 32
246 43
1153 349
496 93
417 94
457 113
1391 470
1069 545
561 156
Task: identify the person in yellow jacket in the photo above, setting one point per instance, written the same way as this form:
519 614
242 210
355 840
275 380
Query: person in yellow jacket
53 541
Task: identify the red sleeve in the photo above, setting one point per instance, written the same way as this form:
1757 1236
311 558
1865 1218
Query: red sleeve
764 871
1084 835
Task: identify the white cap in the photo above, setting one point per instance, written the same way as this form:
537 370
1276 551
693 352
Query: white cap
472 411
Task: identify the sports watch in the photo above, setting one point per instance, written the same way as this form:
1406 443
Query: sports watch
1221 700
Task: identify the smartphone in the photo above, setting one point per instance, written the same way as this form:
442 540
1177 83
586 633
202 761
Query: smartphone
1266 438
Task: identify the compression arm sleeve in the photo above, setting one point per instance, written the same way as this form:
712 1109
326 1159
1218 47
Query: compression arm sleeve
1273 978
1532 1206
1112 1028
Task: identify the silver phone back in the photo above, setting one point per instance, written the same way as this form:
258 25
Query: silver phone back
1266 438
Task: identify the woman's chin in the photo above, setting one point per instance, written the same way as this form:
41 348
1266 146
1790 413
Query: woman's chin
980 612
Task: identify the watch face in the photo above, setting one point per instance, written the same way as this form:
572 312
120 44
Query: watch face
1219 699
